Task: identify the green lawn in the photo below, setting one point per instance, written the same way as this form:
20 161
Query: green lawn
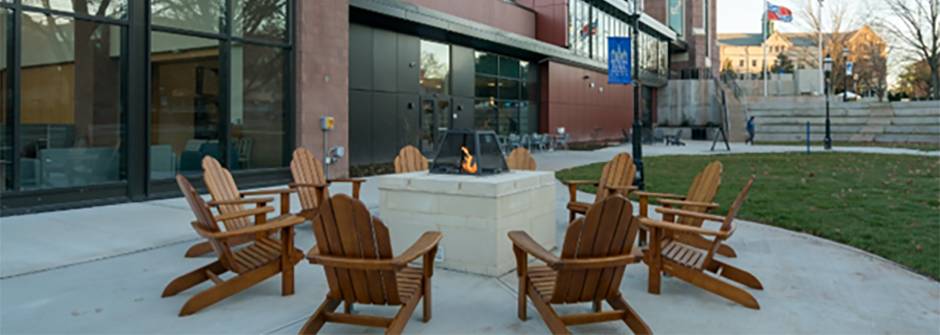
888 205
914 146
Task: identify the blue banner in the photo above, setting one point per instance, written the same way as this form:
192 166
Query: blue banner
619 61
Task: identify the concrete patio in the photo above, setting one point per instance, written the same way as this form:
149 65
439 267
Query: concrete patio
101 270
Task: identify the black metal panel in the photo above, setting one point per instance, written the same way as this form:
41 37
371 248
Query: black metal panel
384 128
409 60
60 198
463 107
360 57
462 71
409 130
384 71
136 63
360 127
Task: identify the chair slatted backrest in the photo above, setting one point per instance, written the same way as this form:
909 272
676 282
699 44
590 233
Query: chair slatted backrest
345 228
307 170
703 189
205 221
222 187
608 229
728 226
620 171
410 159
521 159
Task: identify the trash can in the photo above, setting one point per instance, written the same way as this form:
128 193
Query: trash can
699 134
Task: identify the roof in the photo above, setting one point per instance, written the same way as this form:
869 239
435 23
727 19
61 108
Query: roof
798 39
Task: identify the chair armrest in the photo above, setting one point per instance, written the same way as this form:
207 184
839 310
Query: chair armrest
522 240
681 228
423 245
347 180
580 182
708 205
659 195
595 263
296 185
240 201
686 213
268 226
244 213
314 257
266 192
622 188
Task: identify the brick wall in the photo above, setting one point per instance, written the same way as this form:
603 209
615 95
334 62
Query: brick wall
322 71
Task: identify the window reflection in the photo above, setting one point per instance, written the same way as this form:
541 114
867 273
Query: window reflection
199 15
484 114
71 118
185 104
258 106
435 68
116 9
260 19
6 118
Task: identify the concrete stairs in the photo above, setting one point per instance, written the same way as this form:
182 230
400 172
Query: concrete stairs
778 121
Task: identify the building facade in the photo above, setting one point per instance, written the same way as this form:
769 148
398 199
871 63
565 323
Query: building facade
106 102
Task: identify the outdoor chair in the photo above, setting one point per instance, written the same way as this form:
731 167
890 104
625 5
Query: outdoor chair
658 136
265 257
311 183
525 141
696 265
675 139
356 253
514 141
626 137
521 159
562 141
546 142
595 253
536 141
228 199
410 159
616 178
698 199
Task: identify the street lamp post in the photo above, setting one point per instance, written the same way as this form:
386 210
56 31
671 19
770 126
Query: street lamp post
827 67
845 76
637 125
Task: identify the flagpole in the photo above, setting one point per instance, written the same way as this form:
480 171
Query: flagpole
763 30
819 30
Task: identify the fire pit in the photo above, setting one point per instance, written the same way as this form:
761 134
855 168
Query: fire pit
471 196
474 152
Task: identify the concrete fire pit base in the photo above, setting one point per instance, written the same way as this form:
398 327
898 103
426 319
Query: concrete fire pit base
473 213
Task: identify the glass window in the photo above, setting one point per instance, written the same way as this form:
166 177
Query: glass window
508 118
435 68
198 15
257 106
485 87
484 114
72 121
486 63
508 67
6 118
185 110
260 19
116 9
509 89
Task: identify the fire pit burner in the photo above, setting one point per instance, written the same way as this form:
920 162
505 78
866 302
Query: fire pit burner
469 152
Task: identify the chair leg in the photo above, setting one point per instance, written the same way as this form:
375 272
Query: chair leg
193 278
287 264
347 307
317 320
228 288
596 306
522 289
718 286
548 314
633 320
404 314
426 285
199 249
735 274
570 216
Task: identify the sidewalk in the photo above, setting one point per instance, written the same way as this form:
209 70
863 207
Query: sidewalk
101 270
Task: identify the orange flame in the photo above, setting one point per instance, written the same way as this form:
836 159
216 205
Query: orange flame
468 164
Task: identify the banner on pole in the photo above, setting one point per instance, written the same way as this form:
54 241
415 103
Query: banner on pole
848 68
619 61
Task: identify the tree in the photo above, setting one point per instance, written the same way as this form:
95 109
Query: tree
727 69
915 80
915 31
841 19
783 63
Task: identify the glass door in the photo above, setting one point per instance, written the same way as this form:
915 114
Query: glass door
436 119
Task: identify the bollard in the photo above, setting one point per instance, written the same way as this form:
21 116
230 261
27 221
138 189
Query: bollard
807 137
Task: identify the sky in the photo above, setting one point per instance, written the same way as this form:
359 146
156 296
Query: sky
743 16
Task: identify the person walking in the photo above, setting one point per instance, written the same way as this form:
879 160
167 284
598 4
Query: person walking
750 131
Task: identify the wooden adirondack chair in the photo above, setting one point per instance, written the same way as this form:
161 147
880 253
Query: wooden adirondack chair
410 159
311 184
695 265
227 199
264 258
521 159
616 178
356 252
595 253
698 199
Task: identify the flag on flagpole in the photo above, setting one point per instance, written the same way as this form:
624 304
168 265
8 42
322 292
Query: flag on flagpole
779 13
589 29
